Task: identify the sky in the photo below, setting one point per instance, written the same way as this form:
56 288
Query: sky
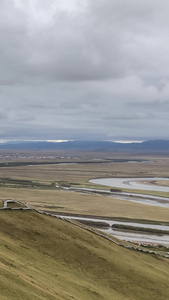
84 69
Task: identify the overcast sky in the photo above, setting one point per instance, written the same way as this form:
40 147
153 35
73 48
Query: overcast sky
84 69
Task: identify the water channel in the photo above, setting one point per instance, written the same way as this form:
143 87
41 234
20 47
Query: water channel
133 183
161 239
136 184
133 197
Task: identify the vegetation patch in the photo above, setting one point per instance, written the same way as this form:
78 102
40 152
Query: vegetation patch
94 223
21 183
142 229
53 207
112 190
15 204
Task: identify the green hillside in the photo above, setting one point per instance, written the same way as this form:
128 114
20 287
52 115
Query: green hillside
42 257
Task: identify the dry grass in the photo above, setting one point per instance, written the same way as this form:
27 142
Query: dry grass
45 258
81 173
89 204
162 182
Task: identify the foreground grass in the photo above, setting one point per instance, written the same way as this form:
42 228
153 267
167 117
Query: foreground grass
46 258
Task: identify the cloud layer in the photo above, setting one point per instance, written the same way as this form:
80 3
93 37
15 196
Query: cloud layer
84 69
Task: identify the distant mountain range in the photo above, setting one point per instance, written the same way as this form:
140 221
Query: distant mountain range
146 146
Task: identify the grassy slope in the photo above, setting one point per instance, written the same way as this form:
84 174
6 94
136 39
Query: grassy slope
45 258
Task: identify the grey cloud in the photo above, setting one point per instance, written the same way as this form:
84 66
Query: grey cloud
88 46
78 69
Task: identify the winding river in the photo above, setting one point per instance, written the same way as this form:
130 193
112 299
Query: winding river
133 183
145 184
138 184
148 238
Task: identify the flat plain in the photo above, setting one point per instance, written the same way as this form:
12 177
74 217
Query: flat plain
46 185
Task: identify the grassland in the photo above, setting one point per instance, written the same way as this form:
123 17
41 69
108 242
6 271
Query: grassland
80 174
46 258
36 185
88 204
